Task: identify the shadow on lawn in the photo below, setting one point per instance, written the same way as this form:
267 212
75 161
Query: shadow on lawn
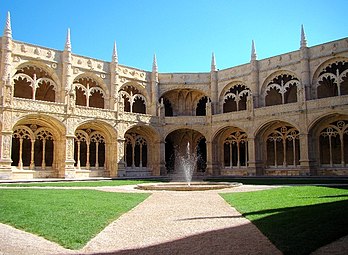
294 230
303 229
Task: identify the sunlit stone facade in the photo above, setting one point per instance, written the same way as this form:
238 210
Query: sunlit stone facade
70 116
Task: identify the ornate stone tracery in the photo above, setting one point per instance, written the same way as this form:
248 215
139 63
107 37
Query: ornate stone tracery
89 149
235 98
89 93
333 80
36 144
133 100
333 143
34 83
282 90
236 149
283 147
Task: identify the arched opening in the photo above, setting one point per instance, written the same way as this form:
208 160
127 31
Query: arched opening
168 109
333 80
32 82
96 99
230 151
89 93
34 147
133 100
181 143
333 144
185 102
201 106
281 90
283 147
139 150
92 150
139 105
235 149
235 99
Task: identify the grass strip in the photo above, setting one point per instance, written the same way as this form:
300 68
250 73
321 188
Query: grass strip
280 180
298 220
68 217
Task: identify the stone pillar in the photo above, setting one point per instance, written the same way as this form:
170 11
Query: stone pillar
121 166
7 95
69 156
163 170
306 164
209 170
156 158
254 166
5 156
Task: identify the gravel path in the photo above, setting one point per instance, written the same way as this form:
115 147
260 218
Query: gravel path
165 223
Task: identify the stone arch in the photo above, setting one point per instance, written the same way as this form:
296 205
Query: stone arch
329 144
94 146
278 148
36 81
177 144
184 102
230 145
37 144
141 151
331 78
91 91
280 87
234 97
134 98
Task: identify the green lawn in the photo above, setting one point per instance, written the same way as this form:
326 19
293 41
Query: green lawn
281 180
77 183
68 217
298 220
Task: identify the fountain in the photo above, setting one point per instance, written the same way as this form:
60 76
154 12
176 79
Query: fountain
186 164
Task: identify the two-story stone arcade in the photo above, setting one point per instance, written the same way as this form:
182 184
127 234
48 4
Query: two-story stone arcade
70 116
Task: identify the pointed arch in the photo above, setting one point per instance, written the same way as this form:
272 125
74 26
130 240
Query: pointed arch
34 82
280 88
90 91
330 143
234 97
331 79
133 99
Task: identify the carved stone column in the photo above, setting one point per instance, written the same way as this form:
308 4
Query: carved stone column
254 166
121 169
5 158
209 170
306 164
162 153
6 145
69 156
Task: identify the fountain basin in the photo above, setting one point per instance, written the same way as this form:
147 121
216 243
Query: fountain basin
184 186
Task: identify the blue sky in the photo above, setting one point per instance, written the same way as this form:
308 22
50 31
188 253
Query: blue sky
182 33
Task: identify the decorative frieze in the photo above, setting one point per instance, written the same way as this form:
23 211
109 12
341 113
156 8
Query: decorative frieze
38 106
